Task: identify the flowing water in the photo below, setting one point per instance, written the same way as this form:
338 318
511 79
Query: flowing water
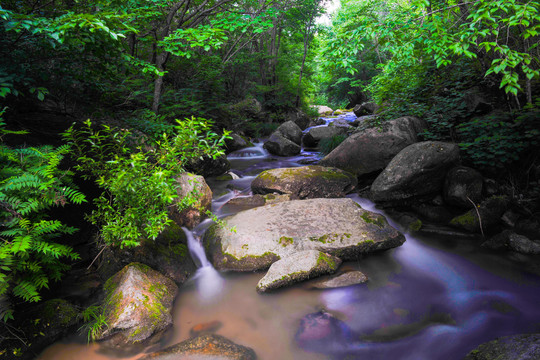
432 298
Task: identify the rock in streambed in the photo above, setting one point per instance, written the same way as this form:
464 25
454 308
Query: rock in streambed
254 239
298 267
305 182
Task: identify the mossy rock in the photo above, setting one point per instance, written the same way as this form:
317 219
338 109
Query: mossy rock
489 213
305 182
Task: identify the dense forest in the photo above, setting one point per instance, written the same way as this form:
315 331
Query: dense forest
104 103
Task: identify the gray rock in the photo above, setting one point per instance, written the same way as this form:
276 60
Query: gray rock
208 346
461 184
236 143
277 144
417 170
523 245
339 227
196 186
490 211
138 304
364 121
324 110
305 182
291 131
208 166
366 108
298 267
372 149
342 280
516 347
340 123
316 134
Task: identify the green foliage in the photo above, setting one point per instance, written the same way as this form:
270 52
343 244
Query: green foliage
326 145
31 183
95 322
138 182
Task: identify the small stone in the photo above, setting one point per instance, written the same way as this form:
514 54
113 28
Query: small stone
346 279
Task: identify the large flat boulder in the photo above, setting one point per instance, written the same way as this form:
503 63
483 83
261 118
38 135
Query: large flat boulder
316 134
138 304
305 182
419 169
256 238
296 268
372 149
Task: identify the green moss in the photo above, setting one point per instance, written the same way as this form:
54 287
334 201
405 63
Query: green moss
466 219
415 225
323 258
373 219
59 311
245 246
284 241
367 241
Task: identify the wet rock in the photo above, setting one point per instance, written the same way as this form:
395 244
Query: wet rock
209 346
510 218
366 108
516 347
296 268
168 254
205 328
499 241
372 149
277 144
291 131
208 167
417 170
249 202
305 182
300 118
340 123
317 122
461 184
196 186
138 304
339 227
236 143
341 280
322 332
509 240
490 211
436 214
316 134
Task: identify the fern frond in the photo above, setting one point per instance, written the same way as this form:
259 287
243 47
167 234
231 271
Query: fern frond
27 291
73 195
21 244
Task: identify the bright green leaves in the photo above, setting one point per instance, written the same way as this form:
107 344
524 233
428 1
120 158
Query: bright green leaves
182 41
138 183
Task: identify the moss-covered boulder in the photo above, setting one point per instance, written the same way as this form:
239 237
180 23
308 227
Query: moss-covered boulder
371 150
417 170
208 346
296 268
305 182
138 304
316 134
168 254
191 185
256 238
516 347
490 212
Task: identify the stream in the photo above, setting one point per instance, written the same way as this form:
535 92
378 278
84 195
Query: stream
430 298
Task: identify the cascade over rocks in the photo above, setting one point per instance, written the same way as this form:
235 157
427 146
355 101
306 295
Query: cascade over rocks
138 304
298 267
372 149
338 227
316 134
461 184
305 182
193 215
417 170
208 346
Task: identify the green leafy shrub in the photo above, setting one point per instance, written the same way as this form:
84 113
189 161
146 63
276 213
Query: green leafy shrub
260 129
328 144
138 182
31 183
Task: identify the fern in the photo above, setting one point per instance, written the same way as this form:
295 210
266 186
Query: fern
31 182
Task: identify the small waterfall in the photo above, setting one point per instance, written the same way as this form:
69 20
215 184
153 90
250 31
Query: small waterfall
208 281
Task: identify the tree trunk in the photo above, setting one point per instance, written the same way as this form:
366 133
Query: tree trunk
158 83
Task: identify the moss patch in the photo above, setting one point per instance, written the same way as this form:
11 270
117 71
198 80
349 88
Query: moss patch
415 225
373 219
284 241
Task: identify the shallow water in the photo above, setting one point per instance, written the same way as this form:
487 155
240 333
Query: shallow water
428 299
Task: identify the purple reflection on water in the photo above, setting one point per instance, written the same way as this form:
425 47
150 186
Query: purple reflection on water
431 304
